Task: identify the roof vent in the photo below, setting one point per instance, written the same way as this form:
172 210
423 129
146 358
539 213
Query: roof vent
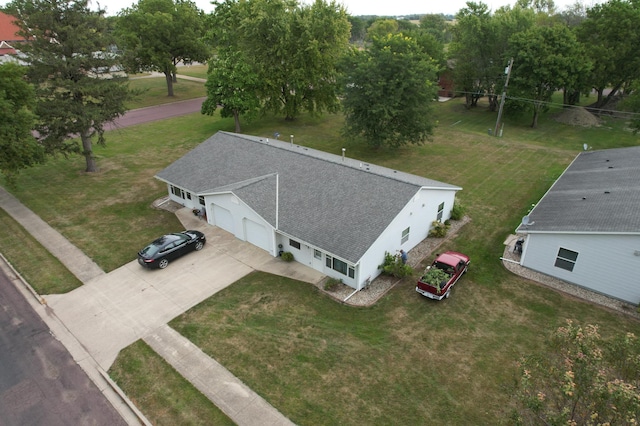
584 198
610 167
607 192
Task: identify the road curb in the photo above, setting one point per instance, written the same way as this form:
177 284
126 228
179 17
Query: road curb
118 399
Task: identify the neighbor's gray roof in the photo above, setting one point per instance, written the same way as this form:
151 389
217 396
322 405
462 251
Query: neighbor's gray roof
598 193
341 207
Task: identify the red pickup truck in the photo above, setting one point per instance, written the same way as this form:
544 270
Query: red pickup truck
438 279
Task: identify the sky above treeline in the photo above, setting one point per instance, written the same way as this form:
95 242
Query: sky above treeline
366 7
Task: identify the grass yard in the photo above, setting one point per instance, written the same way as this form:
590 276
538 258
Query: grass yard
154 91
199 70
155 390
105 212
37 266
406 360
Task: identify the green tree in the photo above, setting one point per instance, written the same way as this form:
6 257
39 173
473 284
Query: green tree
477 57
78 86
18 147
358 29
632 104
546 59
437 26
580 379
157 35
293 49
388 90
612 34
382 28
231 84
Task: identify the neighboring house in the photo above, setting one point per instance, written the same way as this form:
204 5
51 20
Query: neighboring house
446 86
335 214
9 39
586 228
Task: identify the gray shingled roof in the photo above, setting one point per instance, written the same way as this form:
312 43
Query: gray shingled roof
339 206
598 193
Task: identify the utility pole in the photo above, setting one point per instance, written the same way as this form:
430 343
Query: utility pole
504 95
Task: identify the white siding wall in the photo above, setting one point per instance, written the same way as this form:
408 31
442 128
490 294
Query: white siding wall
239 212
191 203
418 215
606 263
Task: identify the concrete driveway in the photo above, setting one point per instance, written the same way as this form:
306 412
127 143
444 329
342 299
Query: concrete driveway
112 311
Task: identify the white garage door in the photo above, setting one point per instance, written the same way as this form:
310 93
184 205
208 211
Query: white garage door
257 234
222 218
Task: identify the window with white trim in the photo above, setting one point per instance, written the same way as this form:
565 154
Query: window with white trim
201 200
440 212
340 266
317 254
177 191
405 236
566 259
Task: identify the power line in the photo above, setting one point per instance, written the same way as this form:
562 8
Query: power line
593 110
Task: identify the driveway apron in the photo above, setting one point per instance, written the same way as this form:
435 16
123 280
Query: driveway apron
114 310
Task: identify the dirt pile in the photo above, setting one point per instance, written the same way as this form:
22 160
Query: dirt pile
577 116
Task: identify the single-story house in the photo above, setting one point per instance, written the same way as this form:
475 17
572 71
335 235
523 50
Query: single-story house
333 213
586 229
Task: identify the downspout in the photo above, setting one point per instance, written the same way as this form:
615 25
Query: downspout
349 296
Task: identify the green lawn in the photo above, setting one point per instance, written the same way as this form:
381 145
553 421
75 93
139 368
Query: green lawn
406 360
156 390
37 266
154 91
199 71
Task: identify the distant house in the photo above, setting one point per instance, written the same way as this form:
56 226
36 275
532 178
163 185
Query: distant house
586 228
9 39
335 214
446 86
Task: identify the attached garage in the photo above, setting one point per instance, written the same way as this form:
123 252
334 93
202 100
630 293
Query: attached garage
222 218
257 234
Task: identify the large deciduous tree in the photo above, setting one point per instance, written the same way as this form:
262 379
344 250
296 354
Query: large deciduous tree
388 90
293 49
479 49
580 379
546 59
612 35
78 88
474 54
18 147
231 84
157 35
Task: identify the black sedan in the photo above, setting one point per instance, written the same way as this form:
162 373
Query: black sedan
159 253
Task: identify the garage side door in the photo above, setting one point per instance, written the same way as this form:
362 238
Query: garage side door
257 234
222 218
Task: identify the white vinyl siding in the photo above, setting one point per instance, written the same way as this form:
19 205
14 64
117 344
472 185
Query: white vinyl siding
605 263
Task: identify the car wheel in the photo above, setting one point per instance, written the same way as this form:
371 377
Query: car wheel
199 245
446 296
163 263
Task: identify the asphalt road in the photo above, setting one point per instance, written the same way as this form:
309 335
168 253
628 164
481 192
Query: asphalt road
154 113
40 383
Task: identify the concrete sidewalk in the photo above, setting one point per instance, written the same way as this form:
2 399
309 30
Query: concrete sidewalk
79 264
233 397
111 311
